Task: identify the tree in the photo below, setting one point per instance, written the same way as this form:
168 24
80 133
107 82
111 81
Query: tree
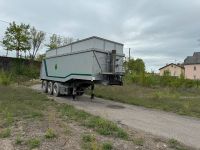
17 38
55 41
67 40
135 66
40 57
37 37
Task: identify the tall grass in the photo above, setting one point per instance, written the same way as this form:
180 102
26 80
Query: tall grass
19 72
153 80
181 101
5 78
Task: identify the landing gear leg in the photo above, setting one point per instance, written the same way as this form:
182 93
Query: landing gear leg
74 92
92 91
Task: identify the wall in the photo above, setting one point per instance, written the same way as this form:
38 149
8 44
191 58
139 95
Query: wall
7 62
190 73
173 69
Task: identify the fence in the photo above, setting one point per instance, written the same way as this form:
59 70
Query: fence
6 63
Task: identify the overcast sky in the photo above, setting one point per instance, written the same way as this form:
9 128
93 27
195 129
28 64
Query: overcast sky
158 31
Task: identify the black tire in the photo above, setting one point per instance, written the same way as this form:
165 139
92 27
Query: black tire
44 86
50 88
56 89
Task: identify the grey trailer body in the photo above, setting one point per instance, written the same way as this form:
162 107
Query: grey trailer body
80 64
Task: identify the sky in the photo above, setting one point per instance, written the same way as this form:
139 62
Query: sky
157 31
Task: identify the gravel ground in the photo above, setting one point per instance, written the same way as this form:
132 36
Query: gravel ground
159 123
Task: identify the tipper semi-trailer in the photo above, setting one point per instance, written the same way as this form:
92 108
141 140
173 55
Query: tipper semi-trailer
72 68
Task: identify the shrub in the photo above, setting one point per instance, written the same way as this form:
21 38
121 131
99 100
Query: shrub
5 78
34 143
175 144
152 80
88 138
5 133
107 146
50 134
18 140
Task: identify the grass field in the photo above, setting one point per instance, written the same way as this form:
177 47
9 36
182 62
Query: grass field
180 101
29 120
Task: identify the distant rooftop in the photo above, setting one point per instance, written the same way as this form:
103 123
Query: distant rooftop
178 65
195 59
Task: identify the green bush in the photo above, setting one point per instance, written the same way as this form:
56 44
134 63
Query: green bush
5 133
5 78
152 80
107 146
33 143
50 134
19 72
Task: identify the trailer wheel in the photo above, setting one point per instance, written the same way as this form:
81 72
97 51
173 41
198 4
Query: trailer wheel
44 86
56 89
50 88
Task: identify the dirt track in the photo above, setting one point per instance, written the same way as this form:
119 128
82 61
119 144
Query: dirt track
169 125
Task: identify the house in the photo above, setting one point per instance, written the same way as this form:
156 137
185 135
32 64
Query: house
192 66
174 69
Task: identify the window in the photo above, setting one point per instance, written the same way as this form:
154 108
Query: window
195 68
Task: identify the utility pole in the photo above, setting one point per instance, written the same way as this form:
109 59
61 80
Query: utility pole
129 57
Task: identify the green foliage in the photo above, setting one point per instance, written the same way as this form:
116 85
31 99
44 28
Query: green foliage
19 72
184 101
20 102
50 134
17 38
107 146
55 41
40 57
89 142
152 80
135 66
33 143
175 145
102 126
88 138
5 78
37 37
18 140
5 133
138 141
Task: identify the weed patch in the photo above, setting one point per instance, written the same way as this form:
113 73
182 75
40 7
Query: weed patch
5 133
175 145
18 140
138 141
107 146
180 101
102 126
33 143
50 134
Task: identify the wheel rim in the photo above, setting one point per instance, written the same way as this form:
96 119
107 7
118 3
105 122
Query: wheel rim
55 89
49 87
44 85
